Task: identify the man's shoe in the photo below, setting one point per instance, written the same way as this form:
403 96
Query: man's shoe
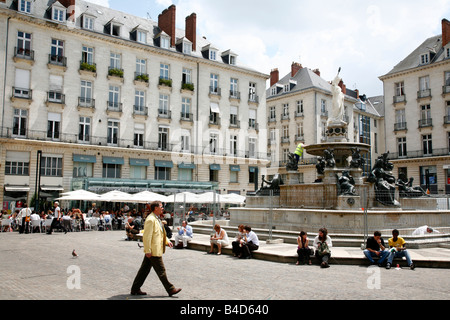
388 266
412 266
174 291
138 293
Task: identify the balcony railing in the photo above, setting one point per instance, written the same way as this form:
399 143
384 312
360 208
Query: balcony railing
235 94
57 60
22 93
447 119
165 114
76 138
400 126
186 116
215 91
114 106
140 110
445 89
253 98
24 53
398 99
419 154
424 93
56 97
85 102
425 123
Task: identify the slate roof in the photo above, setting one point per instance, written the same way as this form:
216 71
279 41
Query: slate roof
431 45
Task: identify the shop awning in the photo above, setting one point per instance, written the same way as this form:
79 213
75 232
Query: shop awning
235 167
163 164
84 158
17 188
214 166
139 162
186 165
113 160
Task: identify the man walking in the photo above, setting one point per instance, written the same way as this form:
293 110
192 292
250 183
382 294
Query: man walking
24 217
155 241
56 218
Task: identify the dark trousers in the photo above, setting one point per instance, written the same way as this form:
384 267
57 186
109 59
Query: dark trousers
56 224
323 258
147 264
303 254
24 226
244 251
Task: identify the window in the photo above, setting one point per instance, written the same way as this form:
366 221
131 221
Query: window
53 125
399 89
84 130
323 107
186 108
233 145
185 174
83 169
285 132
113 132
252 119
86 92
139 102
299 135
234 88
88 22
113 29
25 6
212 54
17 163
234 175
23 44
114 98
213 175
285 110
57 51
114 60
165 42
401 147
185 142
22 84
425 115
400 119
141 36
299 108
20 122
163 138
187 76
163 109
272 113
112 171
51 166
233 60
428 177
58 14
427 145
252 147
162 173
87 55
234 116
424 58
424 87
214 83
138 172
252 91
164 71
213 143
139 130
187 47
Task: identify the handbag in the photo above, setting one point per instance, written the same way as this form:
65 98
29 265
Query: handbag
323 249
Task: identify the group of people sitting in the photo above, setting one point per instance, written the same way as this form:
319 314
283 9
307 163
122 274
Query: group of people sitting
375 248
245 242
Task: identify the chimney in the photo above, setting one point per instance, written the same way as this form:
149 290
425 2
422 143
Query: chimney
70 5
294 68
317 71
357 93
445 32
166 22
274 76
191 30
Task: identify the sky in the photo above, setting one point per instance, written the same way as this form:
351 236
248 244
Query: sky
366 39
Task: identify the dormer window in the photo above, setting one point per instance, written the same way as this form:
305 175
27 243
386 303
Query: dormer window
113 28
164 41
24 6
87 22
447 52
187 47
141 36
58 13
212 54
184 45
424 58
229 57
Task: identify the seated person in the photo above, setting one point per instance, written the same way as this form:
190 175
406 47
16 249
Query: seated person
219 239
322 244
398 250
184 234
249 244
375 247
131 229
237 240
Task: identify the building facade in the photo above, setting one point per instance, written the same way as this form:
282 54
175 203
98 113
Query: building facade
297 112
417 97
97 99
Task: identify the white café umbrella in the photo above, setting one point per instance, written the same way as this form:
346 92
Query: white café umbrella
80 195
208 197
180 197
148 196
232 198
116 196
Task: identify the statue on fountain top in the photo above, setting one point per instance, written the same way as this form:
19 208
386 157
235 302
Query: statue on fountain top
337 111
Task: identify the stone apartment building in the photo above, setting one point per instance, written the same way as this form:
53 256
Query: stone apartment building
99 99
417 98
297 112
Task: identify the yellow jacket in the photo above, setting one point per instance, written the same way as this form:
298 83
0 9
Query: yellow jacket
154 237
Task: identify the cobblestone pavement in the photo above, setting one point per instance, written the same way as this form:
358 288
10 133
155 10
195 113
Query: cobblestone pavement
41 267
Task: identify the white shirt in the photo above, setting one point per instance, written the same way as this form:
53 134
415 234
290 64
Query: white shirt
251 236
57 212
35 216
422 230
25 212
328 241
